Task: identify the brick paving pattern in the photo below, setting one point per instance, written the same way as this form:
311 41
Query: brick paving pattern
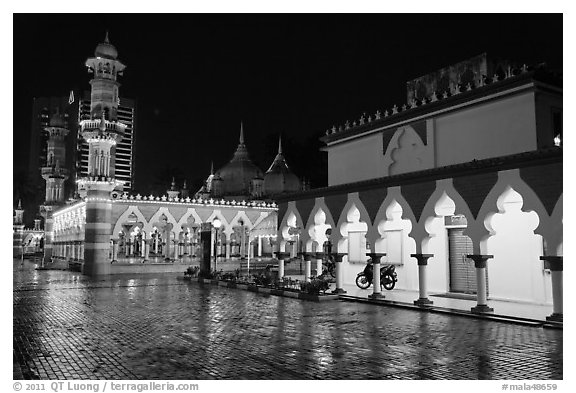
67 326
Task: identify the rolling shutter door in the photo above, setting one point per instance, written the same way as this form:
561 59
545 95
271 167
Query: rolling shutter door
462 271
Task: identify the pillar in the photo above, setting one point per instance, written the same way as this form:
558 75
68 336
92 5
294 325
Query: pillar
422 288
147 244
228 246
48 238
98 229
259 246
167 246
377 294
338 256
480 265
114 250
308 265
143 248
555 264
282 256
319 257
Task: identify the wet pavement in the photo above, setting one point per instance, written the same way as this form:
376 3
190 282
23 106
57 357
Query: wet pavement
67 326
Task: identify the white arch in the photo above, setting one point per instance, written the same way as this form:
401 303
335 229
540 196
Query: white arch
516 271
149 227
394 240
317 231
132 209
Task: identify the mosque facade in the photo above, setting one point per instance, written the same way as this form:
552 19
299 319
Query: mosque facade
460 188
106 228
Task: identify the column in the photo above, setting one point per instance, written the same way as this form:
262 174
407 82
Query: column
97 230
259 246
167 247
143 247
308 262
146 245
114 250
422 264
227 246
480 265
377 294
48 238
319 257
82 251
555 264
338 256
281 257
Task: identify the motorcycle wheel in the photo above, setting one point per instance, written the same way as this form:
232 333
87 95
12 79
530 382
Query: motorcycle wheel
388 282
362 282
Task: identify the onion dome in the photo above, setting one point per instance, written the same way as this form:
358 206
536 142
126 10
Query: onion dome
106 50
57 120
279 178
237 175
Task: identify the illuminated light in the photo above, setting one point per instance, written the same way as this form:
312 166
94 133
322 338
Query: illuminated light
557 141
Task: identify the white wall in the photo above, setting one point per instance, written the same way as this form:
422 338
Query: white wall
497 128
494 129
356 161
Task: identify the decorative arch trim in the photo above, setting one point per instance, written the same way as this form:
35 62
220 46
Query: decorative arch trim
474 189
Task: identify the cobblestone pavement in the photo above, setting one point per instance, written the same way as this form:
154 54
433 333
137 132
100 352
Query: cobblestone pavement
67 326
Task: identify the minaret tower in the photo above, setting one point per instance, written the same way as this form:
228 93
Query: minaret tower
102 132
173 192
18 230
53 172
55 176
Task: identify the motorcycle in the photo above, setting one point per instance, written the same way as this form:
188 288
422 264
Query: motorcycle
388 277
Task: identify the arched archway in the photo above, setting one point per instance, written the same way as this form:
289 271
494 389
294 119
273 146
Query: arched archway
317 231
394 241
353 242
449 269
516 271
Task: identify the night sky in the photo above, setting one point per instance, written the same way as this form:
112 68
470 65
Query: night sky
195 77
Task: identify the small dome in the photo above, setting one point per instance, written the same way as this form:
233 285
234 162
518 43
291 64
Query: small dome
57 120
106 50
279 178
237 175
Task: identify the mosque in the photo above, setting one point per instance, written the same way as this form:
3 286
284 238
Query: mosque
104 230
460 188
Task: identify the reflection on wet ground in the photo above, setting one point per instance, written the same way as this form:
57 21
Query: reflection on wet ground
67 326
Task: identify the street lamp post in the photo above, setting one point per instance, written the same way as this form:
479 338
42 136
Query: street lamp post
242 239
216 223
